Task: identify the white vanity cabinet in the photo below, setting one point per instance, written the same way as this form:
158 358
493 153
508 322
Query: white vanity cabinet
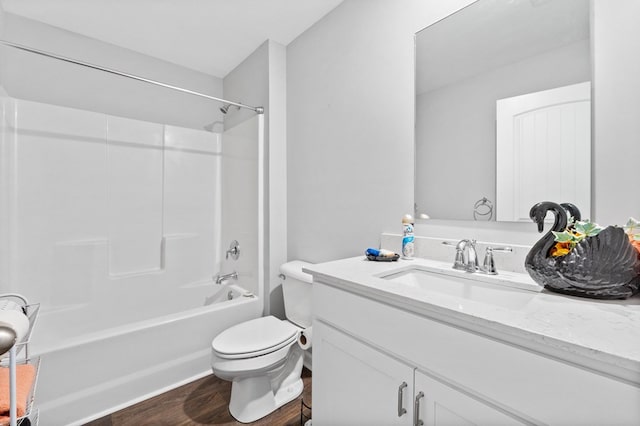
361 385
441 405
367 344
358 384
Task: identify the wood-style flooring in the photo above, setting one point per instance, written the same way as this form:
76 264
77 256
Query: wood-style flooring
203 402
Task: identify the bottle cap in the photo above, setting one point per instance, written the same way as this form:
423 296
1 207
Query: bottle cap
407 218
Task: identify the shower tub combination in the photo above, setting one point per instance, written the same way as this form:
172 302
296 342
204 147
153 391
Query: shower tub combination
124 220
121 261
91 375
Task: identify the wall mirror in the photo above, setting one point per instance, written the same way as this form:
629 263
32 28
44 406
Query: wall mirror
485 150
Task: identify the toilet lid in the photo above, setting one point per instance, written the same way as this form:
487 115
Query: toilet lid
255 337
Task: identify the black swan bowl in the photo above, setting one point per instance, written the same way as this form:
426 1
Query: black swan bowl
604 266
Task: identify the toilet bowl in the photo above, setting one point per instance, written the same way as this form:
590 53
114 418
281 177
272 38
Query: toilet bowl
261 357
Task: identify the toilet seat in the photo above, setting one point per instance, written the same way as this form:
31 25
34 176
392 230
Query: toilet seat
254 338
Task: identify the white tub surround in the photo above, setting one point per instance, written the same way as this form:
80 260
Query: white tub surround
117 228
521 356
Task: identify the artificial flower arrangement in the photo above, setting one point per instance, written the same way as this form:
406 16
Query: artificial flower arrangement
578 230
633 231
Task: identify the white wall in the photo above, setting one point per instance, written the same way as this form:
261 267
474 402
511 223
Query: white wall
616 43
33 77
248 83
276 215
260 80
350 108
240 202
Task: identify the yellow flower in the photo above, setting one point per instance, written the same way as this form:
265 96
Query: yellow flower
560 249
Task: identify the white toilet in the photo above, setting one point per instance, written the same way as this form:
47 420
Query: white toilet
261 357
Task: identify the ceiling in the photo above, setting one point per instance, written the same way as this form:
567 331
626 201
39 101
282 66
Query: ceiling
211 36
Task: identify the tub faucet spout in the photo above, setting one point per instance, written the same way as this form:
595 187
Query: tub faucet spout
220 278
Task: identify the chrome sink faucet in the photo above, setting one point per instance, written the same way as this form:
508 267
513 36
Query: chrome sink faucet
466 256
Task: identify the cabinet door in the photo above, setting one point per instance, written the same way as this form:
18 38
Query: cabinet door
442 405
355 384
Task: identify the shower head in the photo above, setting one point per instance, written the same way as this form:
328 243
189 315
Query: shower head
225 108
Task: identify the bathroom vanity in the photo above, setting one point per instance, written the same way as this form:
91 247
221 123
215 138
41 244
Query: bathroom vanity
415 342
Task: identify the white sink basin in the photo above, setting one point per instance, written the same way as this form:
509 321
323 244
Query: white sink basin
465 286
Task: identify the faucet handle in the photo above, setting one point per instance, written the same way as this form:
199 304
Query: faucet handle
458 263
489 266
509 249
234 250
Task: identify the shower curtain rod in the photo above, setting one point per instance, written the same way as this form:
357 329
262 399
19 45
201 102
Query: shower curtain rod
258 110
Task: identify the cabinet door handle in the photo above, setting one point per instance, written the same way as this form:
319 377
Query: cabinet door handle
416 410
401 409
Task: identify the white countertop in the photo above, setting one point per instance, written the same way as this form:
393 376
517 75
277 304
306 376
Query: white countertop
601 335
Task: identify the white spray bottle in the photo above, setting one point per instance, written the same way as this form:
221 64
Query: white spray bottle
407 237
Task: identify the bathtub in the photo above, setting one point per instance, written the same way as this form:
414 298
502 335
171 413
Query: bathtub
90 374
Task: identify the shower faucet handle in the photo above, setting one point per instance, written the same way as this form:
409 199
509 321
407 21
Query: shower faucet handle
234 250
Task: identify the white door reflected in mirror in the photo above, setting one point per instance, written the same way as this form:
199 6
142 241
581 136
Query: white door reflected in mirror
543 150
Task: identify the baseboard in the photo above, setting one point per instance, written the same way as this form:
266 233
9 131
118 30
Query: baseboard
143 398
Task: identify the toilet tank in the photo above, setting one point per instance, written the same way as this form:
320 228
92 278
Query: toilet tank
296 291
